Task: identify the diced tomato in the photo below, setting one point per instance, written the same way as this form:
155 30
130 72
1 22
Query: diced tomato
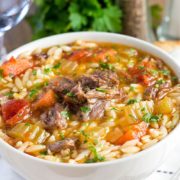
91 55
47 99
147 79
15 67
15 111
134 132
141 72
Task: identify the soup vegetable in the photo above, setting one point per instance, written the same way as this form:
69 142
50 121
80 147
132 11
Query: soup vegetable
86 102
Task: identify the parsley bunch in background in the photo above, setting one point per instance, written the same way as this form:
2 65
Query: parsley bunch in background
59 16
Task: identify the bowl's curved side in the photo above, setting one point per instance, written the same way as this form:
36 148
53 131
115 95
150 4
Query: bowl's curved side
136 166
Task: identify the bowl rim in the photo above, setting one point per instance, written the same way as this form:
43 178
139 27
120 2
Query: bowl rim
132 40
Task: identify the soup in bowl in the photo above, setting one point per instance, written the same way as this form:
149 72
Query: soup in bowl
88 102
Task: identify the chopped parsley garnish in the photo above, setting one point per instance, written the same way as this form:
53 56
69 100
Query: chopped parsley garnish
132 52
113 108
85 109
130 115
1 73
65 114
101 90
132 101
27 124
61 134
154 72
174 79
34 72
132 88
148 118
57 66
160 81
47 70
106 66
97 157
141 67
165 72
9 94
86 136
33 93
143 109
43 153
70 94
46 83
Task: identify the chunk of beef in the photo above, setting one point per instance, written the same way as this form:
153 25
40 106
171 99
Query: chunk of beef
96 110
68 143
53 118
99 78
88 82
153 92
107 94
75 98
106 78
62 85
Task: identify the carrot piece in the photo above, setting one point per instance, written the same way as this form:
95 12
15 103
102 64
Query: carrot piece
45 100
15 67
15 111
91 55
135 132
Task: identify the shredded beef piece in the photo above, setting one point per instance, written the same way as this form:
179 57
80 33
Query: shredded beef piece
96 110
68 143
99 78
153 92
53 118
108 94
106 78
88 82
62 85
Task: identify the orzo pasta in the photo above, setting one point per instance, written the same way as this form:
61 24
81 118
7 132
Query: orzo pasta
86 102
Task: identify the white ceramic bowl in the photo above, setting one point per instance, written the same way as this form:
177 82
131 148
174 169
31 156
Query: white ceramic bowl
135 167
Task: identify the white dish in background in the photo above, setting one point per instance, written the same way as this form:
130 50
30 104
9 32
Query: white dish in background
134 167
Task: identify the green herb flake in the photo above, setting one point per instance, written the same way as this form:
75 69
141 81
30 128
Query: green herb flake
148 118
132 52
154 72
141 67
1 73
70 94
174 79
101 90
34 72
85 109
27 124
165 72
9 94
57 66
130 115
33 93
43 153
86 136
61 134
160 81
65 114
132 101
113 108
106 66
97 157
143 109
132 88
47 70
